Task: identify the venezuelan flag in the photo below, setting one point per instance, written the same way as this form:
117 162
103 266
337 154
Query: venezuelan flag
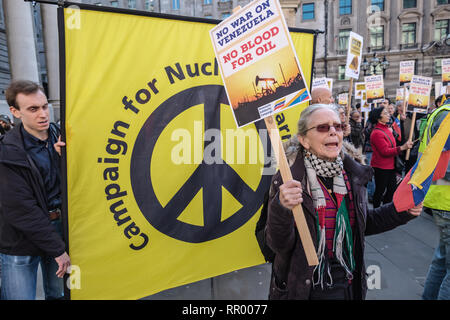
300 97
430 166
280 104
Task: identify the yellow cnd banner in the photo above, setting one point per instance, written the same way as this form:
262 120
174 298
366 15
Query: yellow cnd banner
162 188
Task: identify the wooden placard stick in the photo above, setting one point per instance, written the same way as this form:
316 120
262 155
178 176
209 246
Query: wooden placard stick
404 100
448 88
286 175
349 101
411 132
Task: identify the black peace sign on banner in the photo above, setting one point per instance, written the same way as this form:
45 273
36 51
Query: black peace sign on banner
208 177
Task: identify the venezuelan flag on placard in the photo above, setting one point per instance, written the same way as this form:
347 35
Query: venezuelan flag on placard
430 166
280 104
299 98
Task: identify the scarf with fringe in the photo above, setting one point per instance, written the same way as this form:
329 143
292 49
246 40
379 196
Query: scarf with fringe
343 238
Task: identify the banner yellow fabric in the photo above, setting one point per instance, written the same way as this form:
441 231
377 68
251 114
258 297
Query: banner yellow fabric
162 189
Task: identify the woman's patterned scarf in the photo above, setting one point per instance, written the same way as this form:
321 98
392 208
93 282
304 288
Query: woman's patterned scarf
343 238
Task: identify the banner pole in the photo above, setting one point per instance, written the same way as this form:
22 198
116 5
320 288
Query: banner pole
286 174
404 100
411 132
349 102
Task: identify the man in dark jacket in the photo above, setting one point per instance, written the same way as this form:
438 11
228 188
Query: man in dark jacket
30 202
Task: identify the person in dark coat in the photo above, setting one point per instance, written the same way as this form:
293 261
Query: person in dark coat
330 187
30 201
356 134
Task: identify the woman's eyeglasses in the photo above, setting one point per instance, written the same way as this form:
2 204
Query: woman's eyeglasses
323 128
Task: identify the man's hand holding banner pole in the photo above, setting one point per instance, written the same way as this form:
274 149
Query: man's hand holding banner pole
251 54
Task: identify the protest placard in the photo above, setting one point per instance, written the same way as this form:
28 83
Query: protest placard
445 72
365 107
330 83
258 63
406 71
360 88
320 83
419 94
418 101
245 52
400 94
439 89
352 68
343 99
374 88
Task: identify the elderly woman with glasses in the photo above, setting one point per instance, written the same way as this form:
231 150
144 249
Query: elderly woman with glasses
330 187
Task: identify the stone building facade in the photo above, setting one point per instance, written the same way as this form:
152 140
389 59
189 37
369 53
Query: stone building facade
212 9
395 30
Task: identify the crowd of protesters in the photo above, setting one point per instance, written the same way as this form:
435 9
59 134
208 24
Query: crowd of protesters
30 208
388 144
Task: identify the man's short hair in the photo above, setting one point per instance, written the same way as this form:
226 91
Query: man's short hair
25 87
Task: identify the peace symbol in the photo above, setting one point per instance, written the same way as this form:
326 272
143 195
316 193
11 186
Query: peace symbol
209 177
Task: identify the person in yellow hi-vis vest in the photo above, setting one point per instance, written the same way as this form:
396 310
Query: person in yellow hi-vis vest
437 284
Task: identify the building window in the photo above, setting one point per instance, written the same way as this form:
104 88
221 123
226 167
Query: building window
377 38
437 70
308 11
225 15
207 1
409 4
343 40
341 73
443 2
441 29
148 5
114 4
408 35
175 4
378 3
131 4
345 7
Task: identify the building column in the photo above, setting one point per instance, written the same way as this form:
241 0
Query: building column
51 45
20 39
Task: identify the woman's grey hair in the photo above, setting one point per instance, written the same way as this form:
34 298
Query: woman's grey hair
292 146
303 122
